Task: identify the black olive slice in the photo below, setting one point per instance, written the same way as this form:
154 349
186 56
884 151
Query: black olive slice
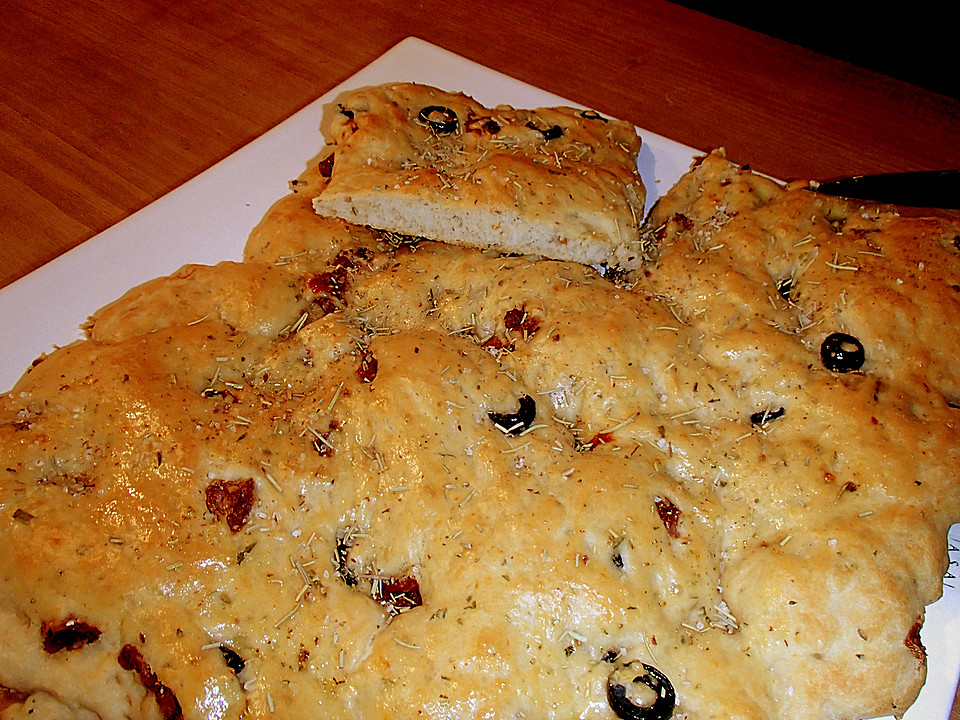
550 133
516 423
232 658
764 416
642 693
441 120
480 125
842 353
592 115
341 557
784 287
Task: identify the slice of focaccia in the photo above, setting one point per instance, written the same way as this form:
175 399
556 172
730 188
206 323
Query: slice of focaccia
557 182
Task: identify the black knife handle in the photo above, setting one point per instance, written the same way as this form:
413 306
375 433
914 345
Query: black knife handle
927 188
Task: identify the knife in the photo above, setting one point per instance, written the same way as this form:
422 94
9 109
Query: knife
928 188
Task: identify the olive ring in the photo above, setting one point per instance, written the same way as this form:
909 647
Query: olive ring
516 423
550 133
623 706
842 353
442 120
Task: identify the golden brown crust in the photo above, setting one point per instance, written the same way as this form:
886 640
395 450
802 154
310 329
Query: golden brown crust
313 478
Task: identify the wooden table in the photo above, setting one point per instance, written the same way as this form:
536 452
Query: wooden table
106 105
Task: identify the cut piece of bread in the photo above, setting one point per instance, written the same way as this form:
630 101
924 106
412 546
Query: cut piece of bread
556 182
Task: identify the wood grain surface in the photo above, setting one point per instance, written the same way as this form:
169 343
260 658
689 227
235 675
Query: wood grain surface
106 105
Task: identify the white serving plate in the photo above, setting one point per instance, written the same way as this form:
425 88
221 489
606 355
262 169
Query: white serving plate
209 218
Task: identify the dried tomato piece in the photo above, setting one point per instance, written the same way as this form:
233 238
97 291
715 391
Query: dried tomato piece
326 304
10 697
325 166
346 258
519 321
368 368
130 658
231 500
399 593
669 514
682 220
497 344
70 634
332 283
912 641
601 438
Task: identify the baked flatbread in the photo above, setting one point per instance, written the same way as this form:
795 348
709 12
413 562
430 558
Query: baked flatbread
557 182
361 478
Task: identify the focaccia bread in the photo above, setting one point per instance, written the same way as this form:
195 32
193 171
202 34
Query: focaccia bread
356 477
556 182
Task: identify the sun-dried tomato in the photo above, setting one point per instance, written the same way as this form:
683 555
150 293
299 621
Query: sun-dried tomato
231 500
332 283
669 514
400 593
519 321
599 439
325 166
368 368
130 658
497 343
912 641
70 634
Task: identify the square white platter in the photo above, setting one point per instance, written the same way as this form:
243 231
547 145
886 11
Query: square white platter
208 219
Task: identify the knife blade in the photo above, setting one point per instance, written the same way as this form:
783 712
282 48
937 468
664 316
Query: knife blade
925 188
